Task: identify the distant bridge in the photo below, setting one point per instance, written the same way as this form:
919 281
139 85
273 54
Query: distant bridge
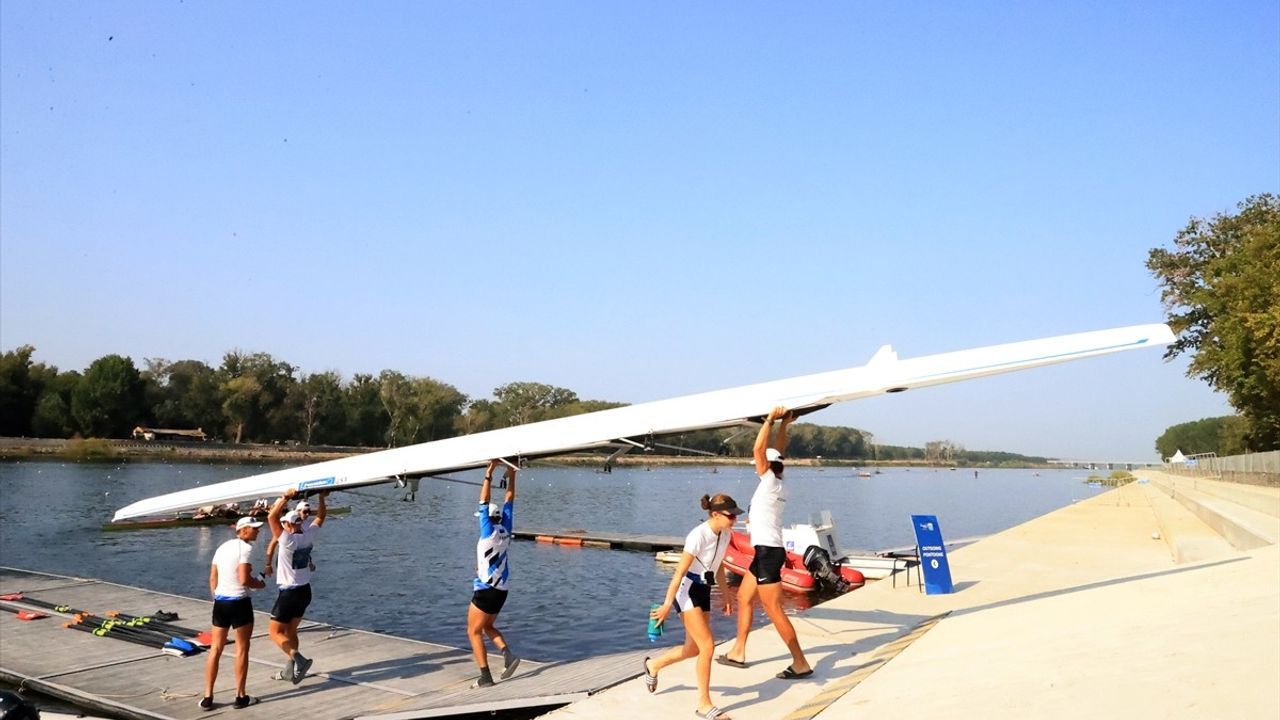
1107 464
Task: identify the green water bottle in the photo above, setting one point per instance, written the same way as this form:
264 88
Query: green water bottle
655 627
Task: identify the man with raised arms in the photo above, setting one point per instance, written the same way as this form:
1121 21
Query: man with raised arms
294 541
490 583
765 576
230 580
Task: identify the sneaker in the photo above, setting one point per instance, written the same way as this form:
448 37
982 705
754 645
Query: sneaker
486 680
206 703
244 701
300 667
280 676
511 663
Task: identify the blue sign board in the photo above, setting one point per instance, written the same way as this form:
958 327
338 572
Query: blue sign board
933 555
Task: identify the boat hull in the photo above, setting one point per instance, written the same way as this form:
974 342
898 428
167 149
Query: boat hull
795 577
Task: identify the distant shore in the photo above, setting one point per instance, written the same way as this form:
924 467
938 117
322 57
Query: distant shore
102 450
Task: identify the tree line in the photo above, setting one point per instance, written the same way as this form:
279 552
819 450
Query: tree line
255 397
1220 284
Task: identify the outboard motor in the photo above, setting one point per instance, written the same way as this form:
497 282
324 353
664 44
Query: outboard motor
818 562
13 707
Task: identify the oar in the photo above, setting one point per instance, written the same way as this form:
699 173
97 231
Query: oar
165 648
23 614
150 622
202 639
122 629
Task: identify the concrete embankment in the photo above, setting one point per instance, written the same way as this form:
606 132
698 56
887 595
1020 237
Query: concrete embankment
1126 605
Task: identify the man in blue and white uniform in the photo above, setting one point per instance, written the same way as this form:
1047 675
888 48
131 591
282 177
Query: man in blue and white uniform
490 583
294 541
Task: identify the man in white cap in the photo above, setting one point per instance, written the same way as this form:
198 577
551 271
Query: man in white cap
765 576
230 580
293 578
490 583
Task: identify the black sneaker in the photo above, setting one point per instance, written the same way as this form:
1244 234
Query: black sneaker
300 667
206 703
511 663
244 701
486 679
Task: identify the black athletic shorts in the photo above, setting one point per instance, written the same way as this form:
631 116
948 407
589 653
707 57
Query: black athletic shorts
767 565
232 613
291 603
489 600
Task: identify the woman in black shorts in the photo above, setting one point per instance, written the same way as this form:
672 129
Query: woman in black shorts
690 595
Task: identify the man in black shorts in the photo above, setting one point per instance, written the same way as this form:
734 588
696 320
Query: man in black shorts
230 579
294 541
490 583
765 577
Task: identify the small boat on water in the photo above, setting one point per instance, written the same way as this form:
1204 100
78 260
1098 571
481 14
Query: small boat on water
193 521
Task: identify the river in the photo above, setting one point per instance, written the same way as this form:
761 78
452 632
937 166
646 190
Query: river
405 567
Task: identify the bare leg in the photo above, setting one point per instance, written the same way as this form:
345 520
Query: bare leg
279 633
293 633
215 654
244 634
675 654
476 621
746 597
491 629
771 599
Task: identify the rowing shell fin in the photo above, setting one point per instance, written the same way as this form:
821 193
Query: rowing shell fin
884 356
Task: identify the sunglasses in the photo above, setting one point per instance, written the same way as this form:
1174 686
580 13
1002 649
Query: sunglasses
731 516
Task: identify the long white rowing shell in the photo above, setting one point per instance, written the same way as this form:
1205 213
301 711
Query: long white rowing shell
640 423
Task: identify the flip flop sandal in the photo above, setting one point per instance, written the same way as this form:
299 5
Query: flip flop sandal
726 660
790 674
650 681
713 713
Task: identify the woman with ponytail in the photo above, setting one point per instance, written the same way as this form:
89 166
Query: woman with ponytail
690 595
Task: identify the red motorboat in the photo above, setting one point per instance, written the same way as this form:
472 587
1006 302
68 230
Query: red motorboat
795 576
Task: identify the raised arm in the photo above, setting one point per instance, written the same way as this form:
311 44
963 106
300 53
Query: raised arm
762 439
488 481
511 484
780 439
323 510
273 515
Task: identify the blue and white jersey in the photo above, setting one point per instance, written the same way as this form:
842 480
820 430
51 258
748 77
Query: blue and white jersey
491 549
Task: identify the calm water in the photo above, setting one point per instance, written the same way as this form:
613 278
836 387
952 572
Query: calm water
405 568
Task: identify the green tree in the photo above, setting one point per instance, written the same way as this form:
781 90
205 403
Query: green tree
108 401
264 416
526 402
184 394
1221 288
53 410
318 400
1221 435
367 423
18 393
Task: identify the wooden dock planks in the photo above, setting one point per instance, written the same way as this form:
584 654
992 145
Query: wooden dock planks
356 673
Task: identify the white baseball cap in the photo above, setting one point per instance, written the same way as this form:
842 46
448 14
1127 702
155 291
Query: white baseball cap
247 521
302 505
772 455
292 517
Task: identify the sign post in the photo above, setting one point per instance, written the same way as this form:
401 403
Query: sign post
933 555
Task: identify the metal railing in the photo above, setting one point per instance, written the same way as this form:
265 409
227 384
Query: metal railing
1252 468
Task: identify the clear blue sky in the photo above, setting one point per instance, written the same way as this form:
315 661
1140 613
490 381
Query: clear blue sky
634 201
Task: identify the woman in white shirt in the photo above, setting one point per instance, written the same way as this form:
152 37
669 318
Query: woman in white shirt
690 594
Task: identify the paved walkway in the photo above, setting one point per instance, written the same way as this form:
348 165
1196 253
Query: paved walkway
1086 611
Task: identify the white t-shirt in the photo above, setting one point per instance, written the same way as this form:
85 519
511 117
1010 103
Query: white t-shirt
229 556
766 511
293 564
706 547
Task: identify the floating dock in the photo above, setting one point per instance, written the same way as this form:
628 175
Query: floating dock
356 673
596 539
